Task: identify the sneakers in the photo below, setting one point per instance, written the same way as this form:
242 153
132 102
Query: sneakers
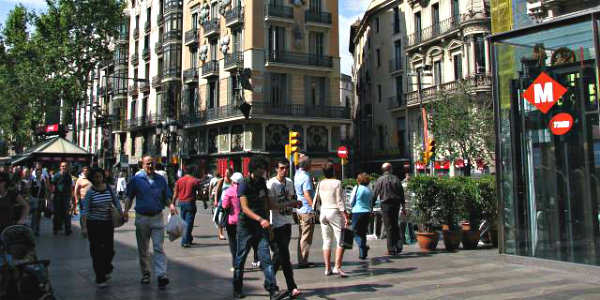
163 281
145 278
278 295
108 276
104 284
256 264
186 245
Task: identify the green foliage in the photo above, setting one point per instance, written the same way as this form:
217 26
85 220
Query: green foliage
468 196
462 123
488 197
424 203
449 200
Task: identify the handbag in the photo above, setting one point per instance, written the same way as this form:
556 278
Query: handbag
116 215
316 212
347 240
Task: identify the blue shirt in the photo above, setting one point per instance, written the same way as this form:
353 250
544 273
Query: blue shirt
303 182
151 196
362 196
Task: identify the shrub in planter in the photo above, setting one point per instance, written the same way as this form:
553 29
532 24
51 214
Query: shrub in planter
425 210
470 211
449 202
489 205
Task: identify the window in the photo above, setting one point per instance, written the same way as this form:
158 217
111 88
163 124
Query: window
437 72
232 89
213 94
457 61
172 57
144 111
237 41
276 39
378 52
194 58
133 138
317 91
133 3
418 27
195 21
399 90
396 20
214 49
397 55
377 24
381 137
317 43
455 11
137 22
133 109
278 93
401 123
479 54
147 73
135 76
315 5
149 15
435 18
160 66
379 93
147 41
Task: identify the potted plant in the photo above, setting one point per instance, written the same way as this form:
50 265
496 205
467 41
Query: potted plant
449 199
425 210
489 204
470 212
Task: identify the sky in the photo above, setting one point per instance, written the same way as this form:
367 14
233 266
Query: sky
350 11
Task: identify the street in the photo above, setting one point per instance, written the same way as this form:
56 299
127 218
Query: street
202 272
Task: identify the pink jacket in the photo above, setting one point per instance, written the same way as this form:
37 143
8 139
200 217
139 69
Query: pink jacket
230 198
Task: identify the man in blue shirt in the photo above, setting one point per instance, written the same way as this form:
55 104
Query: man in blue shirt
305 193
151 195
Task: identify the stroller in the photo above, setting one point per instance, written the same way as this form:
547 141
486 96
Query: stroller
22 275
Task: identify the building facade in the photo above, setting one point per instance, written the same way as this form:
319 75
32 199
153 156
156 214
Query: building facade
178 66
434 47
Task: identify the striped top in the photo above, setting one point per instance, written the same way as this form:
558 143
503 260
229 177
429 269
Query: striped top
96 204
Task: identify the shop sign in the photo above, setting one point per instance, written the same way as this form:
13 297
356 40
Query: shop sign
420 166
459 163
544 92
561 124
442 165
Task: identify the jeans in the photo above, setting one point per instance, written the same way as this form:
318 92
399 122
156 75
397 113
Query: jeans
404 225
188 214
375 224
246 235
390 210
147 228
306 227
281 254
62 212
232 239
101 237
35 210
360 224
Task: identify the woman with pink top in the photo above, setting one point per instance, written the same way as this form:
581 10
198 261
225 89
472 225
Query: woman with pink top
231 203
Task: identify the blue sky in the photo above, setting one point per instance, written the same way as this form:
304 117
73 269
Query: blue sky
350 10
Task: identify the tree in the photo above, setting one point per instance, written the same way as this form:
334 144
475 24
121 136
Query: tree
462 123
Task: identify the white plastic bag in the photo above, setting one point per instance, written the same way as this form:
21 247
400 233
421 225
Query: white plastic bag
175 227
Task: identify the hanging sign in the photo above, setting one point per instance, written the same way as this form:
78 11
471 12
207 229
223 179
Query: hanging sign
561 124
544 92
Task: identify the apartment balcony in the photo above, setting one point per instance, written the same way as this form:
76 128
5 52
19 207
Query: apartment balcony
136 33
121 92
173 6
233 61
109 88
196 117
160 19
144 86
211 27
158 47
210 68
234 17
474 83
299 59
156 81
146 54
279 12
395 66
300 110
190 76
121 62
191 37
117 126
172 74
147 27
133 90
143 122
173 36
135 59
396 102
432 32
123 38
318 18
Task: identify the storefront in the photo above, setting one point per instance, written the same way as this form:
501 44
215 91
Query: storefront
548 139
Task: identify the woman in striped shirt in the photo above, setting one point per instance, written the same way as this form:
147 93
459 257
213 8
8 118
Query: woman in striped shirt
97 225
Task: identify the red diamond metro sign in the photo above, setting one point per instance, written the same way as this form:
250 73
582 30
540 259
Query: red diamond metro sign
544 92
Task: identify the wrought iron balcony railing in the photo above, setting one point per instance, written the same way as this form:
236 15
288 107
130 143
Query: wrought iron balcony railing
123 38
396 102
295 58
136 33
233 60
475 82
147 26
279 11
146 54
173 36
433 31
146 121
158 47
144 86
173 6
135 59
160 19
317 17
211 27
234 16
210 68
156 80
171 74
191 37
190 75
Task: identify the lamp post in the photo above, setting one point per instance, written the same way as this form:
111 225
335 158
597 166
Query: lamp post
168 129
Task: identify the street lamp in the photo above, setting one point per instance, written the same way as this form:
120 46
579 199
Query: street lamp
168 129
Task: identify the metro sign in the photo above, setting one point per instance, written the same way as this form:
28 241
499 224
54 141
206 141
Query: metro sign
544 92
561 124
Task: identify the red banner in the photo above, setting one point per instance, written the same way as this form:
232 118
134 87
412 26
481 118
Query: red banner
442 165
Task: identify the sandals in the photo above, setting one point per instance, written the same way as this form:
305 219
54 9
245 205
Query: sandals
339 272
145 278
295 293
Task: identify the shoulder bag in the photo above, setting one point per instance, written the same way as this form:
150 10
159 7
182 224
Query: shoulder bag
116 215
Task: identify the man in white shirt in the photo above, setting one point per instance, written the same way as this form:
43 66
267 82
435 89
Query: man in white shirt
282 199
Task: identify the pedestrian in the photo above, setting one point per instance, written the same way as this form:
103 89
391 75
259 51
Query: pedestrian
97 226
151 195
82 186
186 191
405 219
63 199
282 198
333 218
160 170
121 187
361 202
222 185
231 204
204 182
253 225
389 189
38 195
8 199
304 192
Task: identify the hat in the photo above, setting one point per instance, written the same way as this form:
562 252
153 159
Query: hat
237 177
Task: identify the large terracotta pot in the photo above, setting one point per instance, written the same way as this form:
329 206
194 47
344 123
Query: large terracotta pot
427 240
470 236
452 238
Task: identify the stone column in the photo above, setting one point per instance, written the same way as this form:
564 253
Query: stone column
487 57
473 65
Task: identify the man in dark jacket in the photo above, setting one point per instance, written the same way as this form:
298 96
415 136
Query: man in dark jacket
63 199
389 190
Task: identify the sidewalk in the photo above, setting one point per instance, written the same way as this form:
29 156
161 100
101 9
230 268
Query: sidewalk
202 272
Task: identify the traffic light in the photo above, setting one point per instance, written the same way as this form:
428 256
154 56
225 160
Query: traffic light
293 142
426 156
431 147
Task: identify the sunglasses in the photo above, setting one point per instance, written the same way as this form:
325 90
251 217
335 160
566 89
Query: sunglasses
283 168
149 164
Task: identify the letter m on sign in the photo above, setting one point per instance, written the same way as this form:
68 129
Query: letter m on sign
544 92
